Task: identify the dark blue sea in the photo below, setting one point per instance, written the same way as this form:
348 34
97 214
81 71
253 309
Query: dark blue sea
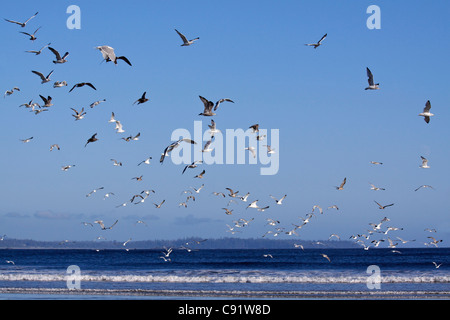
217 274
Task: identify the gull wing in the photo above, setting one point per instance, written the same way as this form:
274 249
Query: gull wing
370 77
208 104
220 101
39 74
323 38
427 106
182 36
56 53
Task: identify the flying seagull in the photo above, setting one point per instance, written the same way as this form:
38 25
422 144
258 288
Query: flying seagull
316 45
279 201
173 146
22 24
60 84
158 206
424 186
43 78
426 112
10 92
372 85
383 207
91 139
109 55
78 114
341 187
47 101
209 106
186 42
100 222
33 35
424 164
142 99
40 51
82 84
59 59
146 161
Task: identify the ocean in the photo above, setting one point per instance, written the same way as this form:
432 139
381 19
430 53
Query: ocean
409 273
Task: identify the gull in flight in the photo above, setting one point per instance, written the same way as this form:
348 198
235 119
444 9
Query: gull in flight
255 128
26 140
146 161
244 198
94 191
10 92
326 257
135 138
100 222
91 139
424 186
59 59
192 165
208 106
252 150
158 206
253 205
375 188
232 193
437 265
116 163
279 201
341 187
426 112
109 55
212 128
207 148
424 164
33 35
318 44
376 162
53 146
227 211
119 127
142 99
22 24
198 190
82 84
430 230
47 101
96 103
60 84
40 51
186 42
78 115
200 175
434 242
372 85
65 168
173 146
269 149
383 207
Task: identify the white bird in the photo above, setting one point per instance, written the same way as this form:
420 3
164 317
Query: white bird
11 262
119 127
326 257
372 187
206 147
10 92
43 78
60 84
252 150
212 128
94 191
59 59
22 24
26 140
318 44
146 161
109 54
244 198
78 115
65 168
100 222
279 202
372 85
269 149
172 146
253 205
96 103
112 119
437 265
192 165
376 162
38 52
426 112
116 163
268 255
424 164
424 186
186 42
32 35
198 190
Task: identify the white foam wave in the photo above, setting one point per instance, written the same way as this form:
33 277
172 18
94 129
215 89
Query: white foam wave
217 278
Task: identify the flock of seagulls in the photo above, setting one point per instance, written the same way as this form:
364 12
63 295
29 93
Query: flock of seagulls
209 110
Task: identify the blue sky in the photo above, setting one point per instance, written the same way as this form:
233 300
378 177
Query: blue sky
252 52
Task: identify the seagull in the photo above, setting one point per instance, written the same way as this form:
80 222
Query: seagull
146 161
268 256
334 235
200 175
137 178
212 128
87 224
192 165
32 36
424 186
53 146
232 193
430 230
424 163
426 112
96 103
341 187
65 168
316 45
263 208
94 191
325 256
40 51
22 24
333 207
142 99
135 138
376 162
78 115
220 101
198 190
47 101
59 59
112 119
91 139
279 201
109 55
186 42
10 92
158 206
141 222
116 163
173 146
372 85
119 127
82 84
255 128
437 265
269 149
26 140
253 205
10 261
227 211
60 84
383 207
252 150
244 198
207 148
434 242
100 222
375 188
